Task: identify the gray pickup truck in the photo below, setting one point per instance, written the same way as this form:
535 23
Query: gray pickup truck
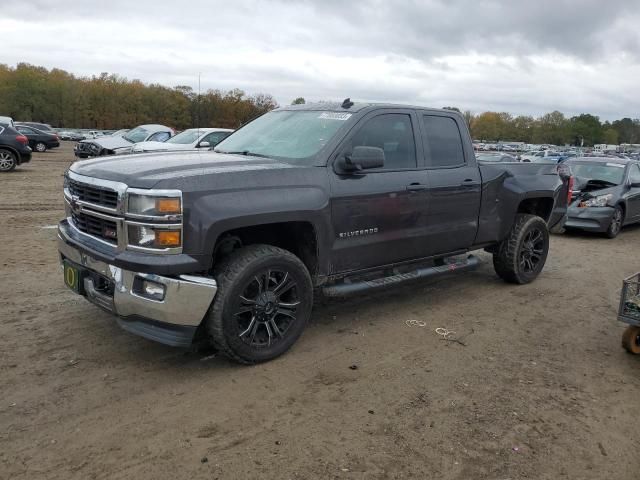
230 246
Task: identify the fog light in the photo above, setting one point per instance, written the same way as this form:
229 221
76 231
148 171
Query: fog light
153 290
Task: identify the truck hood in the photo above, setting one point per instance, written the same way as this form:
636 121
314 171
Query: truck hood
172 169
109 142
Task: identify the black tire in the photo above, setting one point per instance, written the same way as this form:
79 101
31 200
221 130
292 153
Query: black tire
8 160
40 147
248 321
521 256
616 223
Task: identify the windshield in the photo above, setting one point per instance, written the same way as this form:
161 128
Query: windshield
136 135
286 135
188 136
605 172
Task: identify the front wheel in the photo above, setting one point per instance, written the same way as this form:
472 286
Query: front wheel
263 303
41 147
521 256
616 223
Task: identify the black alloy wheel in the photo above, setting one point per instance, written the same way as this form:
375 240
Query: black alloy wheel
267 308
532 250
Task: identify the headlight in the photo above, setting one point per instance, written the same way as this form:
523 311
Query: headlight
155 206
599 201
154 220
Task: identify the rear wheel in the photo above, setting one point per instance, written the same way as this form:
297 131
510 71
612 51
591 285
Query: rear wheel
8 160
41 147
631 339
616 222
263 303
522 255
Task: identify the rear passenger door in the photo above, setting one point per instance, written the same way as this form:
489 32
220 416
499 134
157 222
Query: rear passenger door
378 215
455 185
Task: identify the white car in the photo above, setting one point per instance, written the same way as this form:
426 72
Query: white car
192 138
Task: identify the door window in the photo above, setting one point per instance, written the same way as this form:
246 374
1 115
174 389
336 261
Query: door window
443 143
215 137
634 174
159 137
393 133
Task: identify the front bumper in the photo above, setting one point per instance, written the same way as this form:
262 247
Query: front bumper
171 321
592 219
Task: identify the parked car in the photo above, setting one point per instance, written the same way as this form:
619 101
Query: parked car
495 157
7 121
109 145
43 127
14 148
606 194
39 140
544 156
193 138
346 198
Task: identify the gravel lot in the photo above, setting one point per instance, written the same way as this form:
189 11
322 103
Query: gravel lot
538 386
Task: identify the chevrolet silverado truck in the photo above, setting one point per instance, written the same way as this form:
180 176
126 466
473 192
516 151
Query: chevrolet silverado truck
230 246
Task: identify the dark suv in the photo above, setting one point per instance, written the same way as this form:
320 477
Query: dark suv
14 148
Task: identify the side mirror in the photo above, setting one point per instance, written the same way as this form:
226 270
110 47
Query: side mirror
204 145
362 158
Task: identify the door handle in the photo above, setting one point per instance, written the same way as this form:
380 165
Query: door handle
469 182
415 187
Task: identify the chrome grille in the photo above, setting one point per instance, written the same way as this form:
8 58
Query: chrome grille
95 195
98 227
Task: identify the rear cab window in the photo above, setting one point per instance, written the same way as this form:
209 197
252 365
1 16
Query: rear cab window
443 147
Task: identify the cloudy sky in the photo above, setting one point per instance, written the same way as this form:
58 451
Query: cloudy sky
525 57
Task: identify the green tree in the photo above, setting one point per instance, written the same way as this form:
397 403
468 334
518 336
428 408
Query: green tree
299 101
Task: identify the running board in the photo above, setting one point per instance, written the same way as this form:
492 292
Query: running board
347 288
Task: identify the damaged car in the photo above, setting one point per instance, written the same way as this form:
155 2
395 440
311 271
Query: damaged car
110 145
606 194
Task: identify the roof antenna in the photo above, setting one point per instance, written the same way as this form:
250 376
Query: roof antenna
347 103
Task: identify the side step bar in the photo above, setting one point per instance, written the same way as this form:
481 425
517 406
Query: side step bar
347 288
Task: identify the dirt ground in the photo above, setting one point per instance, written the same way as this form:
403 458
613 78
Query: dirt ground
538 386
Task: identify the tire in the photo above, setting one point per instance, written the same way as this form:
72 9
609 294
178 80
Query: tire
263 304
40 147
8 160
616 223
521 256
631 339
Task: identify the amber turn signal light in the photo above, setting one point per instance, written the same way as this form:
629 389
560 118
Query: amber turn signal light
168 205
168 238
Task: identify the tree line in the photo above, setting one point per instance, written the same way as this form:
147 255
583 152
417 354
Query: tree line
108 101
551 128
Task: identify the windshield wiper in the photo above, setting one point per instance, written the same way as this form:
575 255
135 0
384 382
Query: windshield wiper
246 153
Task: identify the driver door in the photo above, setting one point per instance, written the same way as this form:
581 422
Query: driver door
378 215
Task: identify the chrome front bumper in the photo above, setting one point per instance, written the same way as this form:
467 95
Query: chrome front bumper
172 321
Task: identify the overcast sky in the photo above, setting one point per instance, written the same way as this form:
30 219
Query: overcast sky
524 57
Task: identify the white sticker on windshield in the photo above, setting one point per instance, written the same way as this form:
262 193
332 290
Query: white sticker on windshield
335 116
619 165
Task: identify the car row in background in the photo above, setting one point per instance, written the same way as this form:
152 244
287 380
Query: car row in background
14 148
193 138
495 157
39 140
111 144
